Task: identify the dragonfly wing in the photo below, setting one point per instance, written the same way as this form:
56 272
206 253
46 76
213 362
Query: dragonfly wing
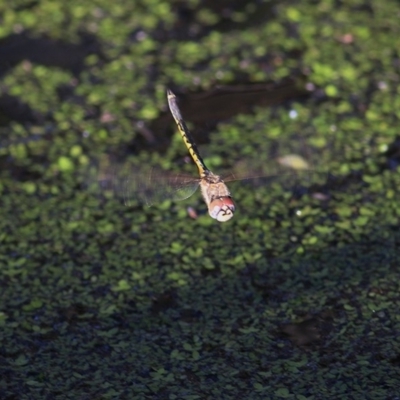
288 170
277 168
155 186
145 185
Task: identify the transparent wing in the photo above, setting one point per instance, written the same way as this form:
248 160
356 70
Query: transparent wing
146 185
154 186
287 169
287 160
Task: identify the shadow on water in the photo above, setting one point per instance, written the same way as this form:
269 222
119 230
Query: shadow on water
45 51
41 51
228 326
188 25
224 102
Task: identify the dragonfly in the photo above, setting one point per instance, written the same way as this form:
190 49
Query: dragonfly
215 193
154 185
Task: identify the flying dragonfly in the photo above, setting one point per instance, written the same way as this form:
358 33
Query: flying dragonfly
155 185
213 189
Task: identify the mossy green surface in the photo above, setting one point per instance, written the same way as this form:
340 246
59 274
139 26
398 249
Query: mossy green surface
296 297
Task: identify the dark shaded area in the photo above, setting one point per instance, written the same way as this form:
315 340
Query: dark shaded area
187 26
312 330
13 109
163 302
224 102
392 155
206 109
43 51
46 51
138 345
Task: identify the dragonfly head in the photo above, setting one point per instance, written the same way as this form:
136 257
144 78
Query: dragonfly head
222 208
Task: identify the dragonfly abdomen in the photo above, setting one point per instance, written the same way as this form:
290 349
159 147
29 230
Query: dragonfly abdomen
185 133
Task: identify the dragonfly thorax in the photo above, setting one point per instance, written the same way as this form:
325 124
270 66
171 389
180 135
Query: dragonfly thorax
210 177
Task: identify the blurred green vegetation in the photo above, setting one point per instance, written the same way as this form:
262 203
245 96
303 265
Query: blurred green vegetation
296 297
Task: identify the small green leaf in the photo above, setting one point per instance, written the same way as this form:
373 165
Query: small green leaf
65 164
21 360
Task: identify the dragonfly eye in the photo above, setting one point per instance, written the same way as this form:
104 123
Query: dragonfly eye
222 209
